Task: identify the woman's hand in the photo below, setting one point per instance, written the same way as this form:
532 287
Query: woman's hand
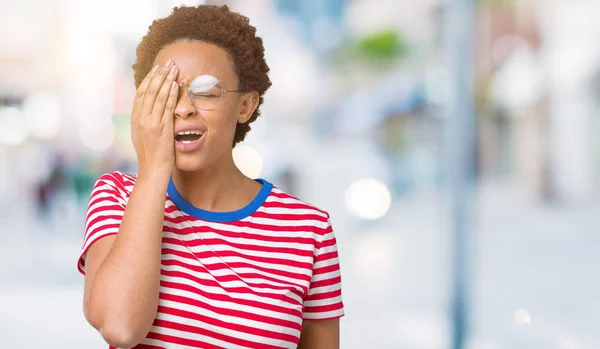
152 120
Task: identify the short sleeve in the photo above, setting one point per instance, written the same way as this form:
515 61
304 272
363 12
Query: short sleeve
324 298
105 211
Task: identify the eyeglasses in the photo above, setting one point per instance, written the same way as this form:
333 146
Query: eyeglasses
206 92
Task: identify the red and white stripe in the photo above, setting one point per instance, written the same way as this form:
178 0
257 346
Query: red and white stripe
242 284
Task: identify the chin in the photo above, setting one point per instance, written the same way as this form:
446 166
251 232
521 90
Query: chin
187 163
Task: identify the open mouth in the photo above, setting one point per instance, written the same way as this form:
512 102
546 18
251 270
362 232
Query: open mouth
188 136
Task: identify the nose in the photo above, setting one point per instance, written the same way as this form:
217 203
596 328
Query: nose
184 108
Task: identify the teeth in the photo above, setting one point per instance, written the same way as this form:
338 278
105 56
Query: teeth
196 132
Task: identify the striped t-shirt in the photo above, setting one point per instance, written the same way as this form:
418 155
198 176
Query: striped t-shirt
241 279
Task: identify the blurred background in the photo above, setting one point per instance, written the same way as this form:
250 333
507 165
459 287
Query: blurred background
364 120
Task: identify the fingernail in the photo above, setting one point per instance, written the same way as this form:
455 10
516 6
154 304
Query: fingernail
168 62
155 69
173 71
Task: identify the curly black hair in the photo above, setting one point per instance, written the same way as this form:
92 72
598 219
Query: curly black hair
217 25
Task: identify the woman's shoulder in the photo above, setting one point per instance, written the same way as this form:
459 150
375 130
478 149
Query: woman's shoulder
289 204
118 180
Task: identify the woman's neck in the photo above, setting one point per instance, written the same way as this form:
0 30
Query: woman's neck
221 187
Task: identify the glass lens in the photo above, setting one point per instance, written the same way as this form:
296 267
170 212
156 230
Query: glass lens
205 92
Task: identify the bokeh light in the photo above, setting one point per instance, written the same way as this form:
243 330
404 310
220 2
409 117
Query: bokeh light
368 199
523 317
42 115
13 131
248 160
98 137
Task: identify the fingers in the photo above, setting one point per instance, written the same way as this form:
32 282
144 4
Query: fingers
169 106
154 88
140 93
164 94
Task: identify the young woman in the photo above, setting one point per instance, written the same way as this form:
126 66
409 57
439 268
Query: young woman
190 253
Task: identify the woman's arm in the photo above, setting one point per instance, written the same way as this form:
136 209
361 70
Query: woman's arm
323 304
320 334
123 270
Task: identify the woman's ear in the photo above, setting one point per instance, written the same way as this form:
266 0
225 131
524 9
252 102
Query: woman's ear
248 104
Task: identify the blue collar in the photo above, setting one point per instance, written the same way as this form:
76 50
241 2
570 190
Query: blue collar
221 217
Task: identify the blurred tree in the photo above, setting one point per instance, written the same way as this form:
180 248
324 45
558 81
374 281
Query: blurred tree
376 50
386 44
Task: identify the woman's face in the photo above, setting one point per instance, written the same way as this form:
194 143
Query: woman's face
217 126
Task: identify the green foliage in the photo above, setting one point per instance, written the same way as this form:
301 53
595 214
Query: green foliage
386 44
